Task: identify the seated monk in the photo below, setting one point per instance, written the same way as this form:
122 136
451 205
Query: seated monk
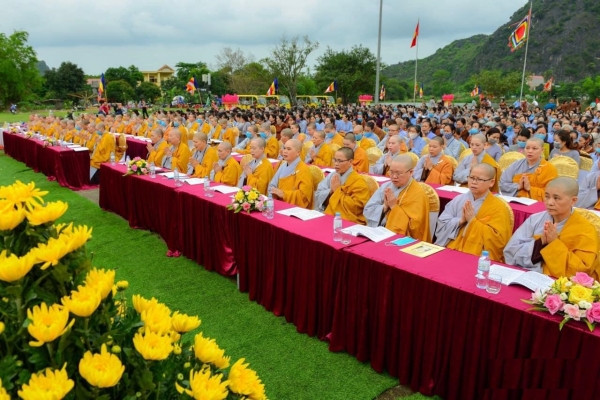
104 148
435 167
360 162
382 166
178 154
589 188
258 172
226 170
331 136
558 241
400 205
243 147
476 220
528 177
361 140
343 191
157 146
292 182
478 156
203 157
320 154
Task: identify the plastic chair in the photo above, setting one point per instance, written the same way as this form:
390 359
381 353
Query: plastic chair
371 184
434 206
317 175
373 154
508 158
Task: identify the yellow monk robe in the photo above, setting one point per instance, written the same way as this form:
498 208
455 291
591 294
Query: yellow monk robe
185 137
298 187
366 143
231 136
156 156
324 157
142 130
103 149
246 150
121 148
544 173
360 163
490 230
230 174
120 127
301 137
442 172
337 139
272 149
261 176
194 127
206 128
91 142
203 169
181 157
410 216
129 128
487 159
350 199
575 250
70 135
77 137
216 133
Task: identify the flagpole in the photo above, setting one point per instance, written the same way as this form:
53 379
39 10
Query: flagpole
416 64
378 54
526 47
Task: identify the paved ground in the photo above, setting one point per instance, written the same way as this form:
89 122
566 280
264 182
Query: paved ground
91 194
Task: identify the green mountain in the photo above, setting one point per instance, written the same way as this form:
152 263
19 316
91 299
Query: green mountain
563 43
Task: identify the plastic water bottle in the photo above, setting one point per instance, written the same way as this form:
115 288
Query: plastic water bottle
483 270
176 177
152 170
337 227
207 190
112 158
270 207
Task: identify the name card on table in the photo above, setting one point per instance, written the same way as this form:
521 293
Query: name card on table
422 249
522 200
457 189
301 213
374 234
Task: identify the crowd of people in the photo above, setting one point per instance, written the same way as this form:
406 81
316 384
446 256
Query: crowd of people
413 146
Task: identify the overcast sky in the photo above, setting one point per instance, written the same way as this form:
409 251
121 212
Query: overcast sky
97 35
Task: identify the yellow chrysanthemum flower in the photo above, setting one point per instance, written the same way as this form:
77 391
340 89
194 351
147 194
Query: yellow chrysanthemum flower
50 253
47 384
208 351
203 385
152 346
1 327
561 284
11 216
183 323
13 268
83 301
101 370
140 303
22 194
245 381
3 393
102 280
48 213
122 285
239 196
157 318
47 323
579 293
77 237
253 195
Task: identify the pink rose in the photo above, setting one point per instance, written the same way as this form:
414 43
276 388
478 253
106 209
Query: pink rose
572 311
246 188
593 313
583 279
260 205
136 159
134 167
144 170
553 303
246 206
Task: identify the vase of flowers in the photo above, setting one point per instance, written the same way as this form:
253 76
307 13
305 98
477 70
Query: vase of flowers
576 298
247 199
137 166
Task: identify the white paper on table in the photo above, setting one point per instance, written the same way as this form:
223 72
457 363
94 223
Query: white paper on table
328 170
194 181
171 175
374 234
272 160
301 213
80 149
522 200
532 280
225 189
233 153
457 189
380 178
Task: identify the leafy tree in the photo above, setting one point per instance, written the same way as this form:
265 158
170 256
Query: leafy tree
497 84
252 78
147 91
119 91
590 86
441 83
131 75
395 89
288 60
19 76
353 70
67 79
307 85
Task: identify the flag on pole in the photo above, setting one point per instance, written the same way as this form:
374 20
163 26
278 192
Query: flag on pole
190 87
521 33
476 91
548 85
421 91
273 88
382 93
332 87
415 36
101 85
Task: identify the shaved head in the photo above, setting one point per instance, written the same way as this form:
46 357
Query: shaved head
568 185
404 160
295 143
488 171
539 141
479 137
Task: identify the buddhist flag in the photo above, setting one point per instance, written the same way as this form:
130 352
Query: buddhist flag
548 85
332 87
475 91
273 88
415 36
520 35
421 91
101 85
382 93
190 87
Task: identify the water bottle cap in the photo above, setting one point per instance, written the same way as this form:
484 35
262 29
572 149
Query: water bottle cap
485 253
337 214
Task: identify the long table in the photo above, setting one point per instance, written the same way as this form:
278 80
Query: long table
421 320
70 168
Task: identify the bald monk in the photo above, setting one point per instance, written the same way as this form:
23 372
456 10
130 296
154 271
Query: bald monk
293 182
258 172
558 241
361 140
203 157
528 177
435 167
343 191
178 154
226 170
331 136
400 205
478 156
382 166
320 154
476 220
272 148
157 146
360 162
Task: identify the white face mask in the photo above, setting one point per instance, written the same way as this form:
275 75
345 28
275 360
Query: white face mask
413 135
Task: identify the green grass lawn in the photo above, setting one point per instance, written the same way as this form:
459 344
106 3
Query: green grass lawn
292 365
24 116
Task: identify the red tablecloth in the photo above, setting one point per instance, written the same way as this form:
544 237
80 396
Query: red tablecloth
21 149
424 321
136 148
113 191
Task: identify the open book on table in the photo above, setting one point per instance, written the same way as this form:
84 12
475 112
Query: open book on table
532 280
374 234
522 200
301 213
456 189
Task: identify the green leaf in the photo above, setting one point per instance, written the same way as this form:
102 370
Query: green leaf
563 322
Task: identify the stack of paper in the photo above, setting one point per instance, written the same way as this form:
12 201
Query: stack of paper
457 189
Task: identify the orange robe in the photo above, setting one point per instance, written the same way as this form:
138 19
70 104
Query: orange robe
261 176
442 172
544 173
181 157
350 199
121 146
366 143
203 169
156 156
102 151
360 163
410 215
324 157
272 149
298 187
230 174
